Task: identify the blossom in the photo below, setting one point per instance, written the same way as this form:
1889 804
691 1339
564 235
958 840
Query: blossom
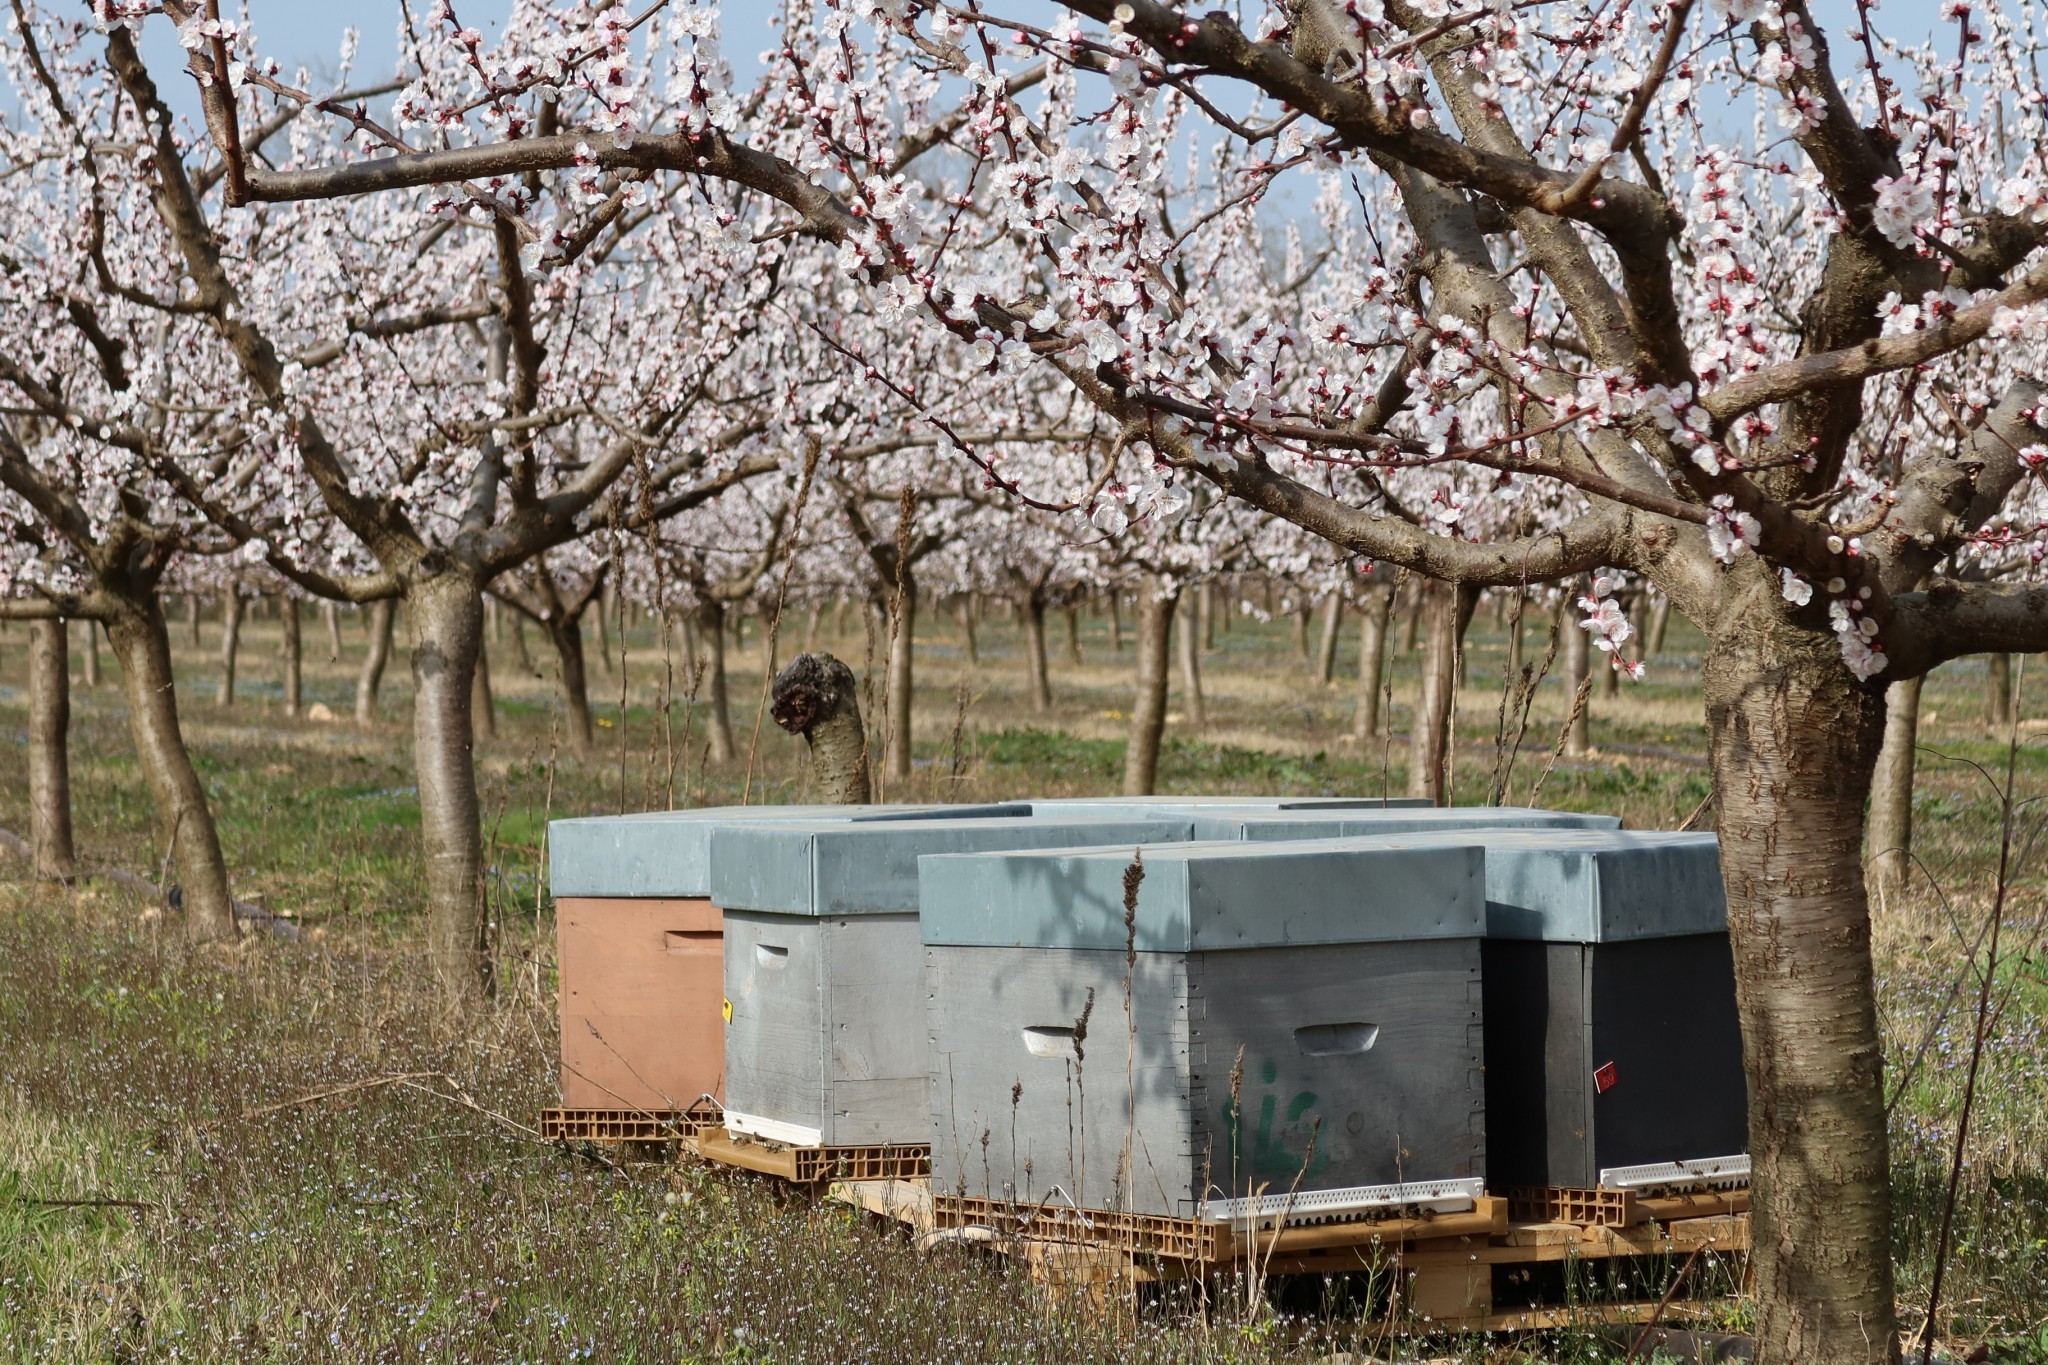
1729 531
1793 588
1903 203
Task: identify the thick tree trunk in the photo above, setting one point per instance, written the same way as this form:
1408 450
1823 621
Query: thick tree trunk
818 697
142 642
963 612
1890 839
717 707
231 608
902 679
92 654
1449 609
1578 663
49 750
1998 693
445 618
1326 649
1372 662
331 615
481 704
565 633
1156 602
1301 615
290 647
1191 660
1116 623
1073 615
371 679
1794 737
1032 610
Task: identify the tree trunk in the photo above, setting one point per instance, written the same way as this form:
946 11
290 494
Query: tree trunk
520 657
371 679
92 654
963 612
49 755
481 704
231 607
1301 615
1073 615
445 620
1660 621
818 697
1998 693
1372 662
142 642
811 634
1191 659
717 708
896 761
1208 606
1794 738
1411 624
191 618
1578 663
1890 839
1333 627
290 645
331 614
1156 601
1032 610
1450 611
1116 623
565 633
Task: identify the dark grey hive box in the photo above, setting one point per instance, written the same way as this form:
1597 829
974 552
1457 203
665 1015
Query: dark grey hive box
1338 823
824 976
1346 980
1143 807
1612 1038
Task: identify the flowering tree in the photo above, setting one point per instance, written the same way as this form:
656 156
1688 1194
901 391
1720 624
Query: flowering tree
1588 278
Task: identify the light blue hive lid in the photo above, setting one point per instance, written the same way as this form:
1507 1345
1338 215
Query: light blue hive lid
668 852
1593 886
871 869
1205 896
1343 824
1142 807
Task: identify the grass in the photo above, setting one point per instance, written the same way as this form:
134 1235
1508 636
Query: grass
417 1218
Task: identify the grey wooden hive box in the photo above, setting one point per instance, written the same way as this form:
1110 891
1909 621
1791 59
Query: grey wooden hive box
1339 823
824 976
1140 807
1612 1037
1340 988
668 853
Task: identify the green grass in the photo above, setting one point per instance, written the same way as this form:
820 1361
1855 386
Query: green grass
417 1219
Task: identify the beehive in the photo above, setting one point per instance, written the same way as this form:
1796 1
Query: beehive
640 949
1299 1016
1612 1037
1139 807
1341 823
825 1038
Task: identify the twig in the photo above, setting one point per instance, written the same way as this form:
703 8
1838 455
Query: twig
330 1092
1656 1314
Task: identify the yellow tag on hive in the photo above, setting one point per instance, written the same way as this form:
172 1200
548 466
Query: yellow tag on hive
726 1010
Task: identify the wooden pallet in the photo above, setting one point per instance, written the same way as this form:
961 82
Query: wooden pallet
814 1165
627 1125
1617 1208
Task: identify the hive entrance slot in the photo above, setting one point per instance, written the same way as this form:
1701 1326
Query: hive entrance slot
693 940
771 957
1049 1040
1335 1040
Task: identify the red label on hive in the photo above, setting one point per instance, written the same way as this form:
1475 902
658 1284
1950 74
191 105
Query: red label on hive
1604 1079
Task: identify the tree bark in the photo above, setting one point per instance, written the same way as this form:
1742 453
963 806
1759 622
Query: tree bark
231 607
1031 609
191 618
445 618
92 654
1207 603
142 643
1578 663
481 704
1326 649
1449 608
49 750
818 697
717 707
1890 838
1660 621
290 646
1372 662
565 633
1156 602
1998 693
1301 615
1073 615
963 612
1411 623
331 614
1116 623
371 679
1191 659
902 631
1794 737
